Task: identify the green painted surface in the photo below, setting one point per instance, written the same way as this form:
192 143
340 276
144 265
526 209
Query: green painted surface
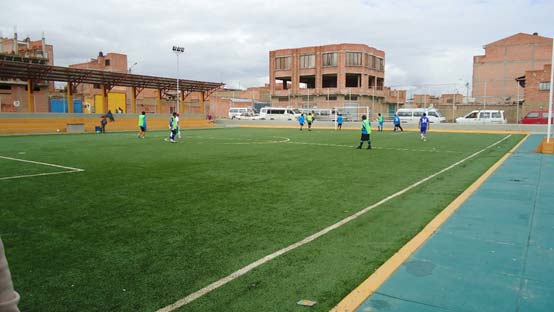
496 253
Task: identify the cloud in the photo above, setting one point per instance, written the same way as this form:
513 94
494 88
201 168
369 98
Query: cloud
426 42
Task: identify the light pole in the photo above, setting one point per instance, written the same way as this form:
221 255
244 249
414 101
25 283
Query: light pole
130 70
178 50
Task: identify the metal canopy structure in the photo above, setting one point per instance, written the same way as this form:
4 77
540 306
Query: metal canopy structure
31 71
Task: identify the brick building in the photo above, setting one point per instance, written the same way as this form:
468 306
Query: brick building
14 93
537 89
92 94
329 76
495 72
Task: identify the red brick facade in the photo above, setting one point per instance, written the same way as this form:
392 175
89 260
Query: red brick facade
495 72
327 76
537 89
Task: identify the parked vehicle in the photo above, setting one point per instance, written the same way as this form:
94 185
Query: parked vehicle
483 117
271 113
536 117
238 112
412 115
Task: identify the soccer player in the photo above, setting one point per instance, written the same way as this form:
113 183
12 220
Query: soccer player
366 131
397 123
339 121
423 126
381 121
177 118
301 121
172 127
142 125
310 119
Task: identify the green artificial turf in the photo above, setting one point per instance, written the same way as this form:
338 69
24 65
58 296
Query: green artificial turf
149 222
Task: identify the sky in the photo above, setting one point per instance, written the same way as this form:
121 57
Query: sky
428 44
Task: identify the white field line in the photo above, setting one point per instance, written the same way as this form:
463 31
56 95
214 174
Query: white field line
70 169
253 265
378 147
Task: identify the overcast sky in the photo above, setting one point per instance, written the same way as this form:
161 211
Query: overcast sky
426 42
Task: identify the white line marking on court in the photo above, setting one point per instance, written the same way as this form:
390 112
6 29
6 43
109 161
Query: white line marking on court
257 263
283 140
377 147
71 169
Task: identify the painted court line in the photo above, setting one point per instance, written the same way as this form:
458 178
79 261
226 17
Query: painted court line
378 147
70 169
368 287
248 268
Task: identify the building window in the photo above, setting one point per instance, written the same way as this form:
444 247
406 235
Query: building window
283 99
544 86
373 62
380 64
332 97
351 97
307 61
107 62
329 59
96 86
282 63
353 59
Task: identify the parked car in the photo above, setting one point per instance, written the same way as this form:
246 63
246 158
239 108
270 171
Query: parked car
536 117
483 117
238 112
412 115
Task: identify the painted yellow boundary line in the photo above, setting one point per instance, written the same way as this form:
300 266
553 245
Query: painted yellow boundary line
358 296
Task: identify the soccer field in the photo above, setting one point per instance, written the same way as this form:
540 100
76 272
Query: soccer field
116 223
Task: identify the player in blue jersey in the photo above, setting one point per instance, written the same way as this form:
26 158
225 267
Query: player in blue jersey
301 121
339 121
397 123
423 126
173 126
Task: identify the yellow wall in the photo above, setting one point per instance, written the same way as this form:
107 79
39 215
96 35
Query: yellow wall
98 104
115 101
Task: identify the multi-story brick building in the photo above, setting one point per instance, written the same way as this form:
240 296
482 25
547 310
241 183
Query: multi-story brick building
495 72
329 76
14 93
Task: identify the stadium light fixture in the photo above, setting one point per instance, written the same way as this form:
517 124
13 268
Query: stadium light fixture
178 51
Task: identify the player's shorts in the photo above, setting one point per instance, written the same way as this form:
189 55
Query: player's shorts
340 124
423 130
143 129
309 123
380 124
301 123
365 137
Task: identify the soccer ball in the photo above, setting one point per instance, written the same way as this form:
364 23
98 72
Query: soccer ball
57 130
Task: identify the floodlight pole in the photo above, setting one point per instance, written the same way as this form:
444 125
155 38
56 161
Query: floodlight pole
550 99
178 51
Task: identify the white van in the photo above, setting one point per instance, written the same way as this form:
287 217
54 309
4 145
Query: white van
412 115
271 113
483 117
238 112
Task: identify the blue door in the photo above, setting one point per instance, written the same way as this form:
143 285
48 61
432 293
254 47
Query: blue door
60 106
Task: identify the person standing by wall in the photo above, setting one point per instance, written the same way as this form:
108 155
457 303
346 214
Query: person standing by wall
9 298
142 125
381 122
339 121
